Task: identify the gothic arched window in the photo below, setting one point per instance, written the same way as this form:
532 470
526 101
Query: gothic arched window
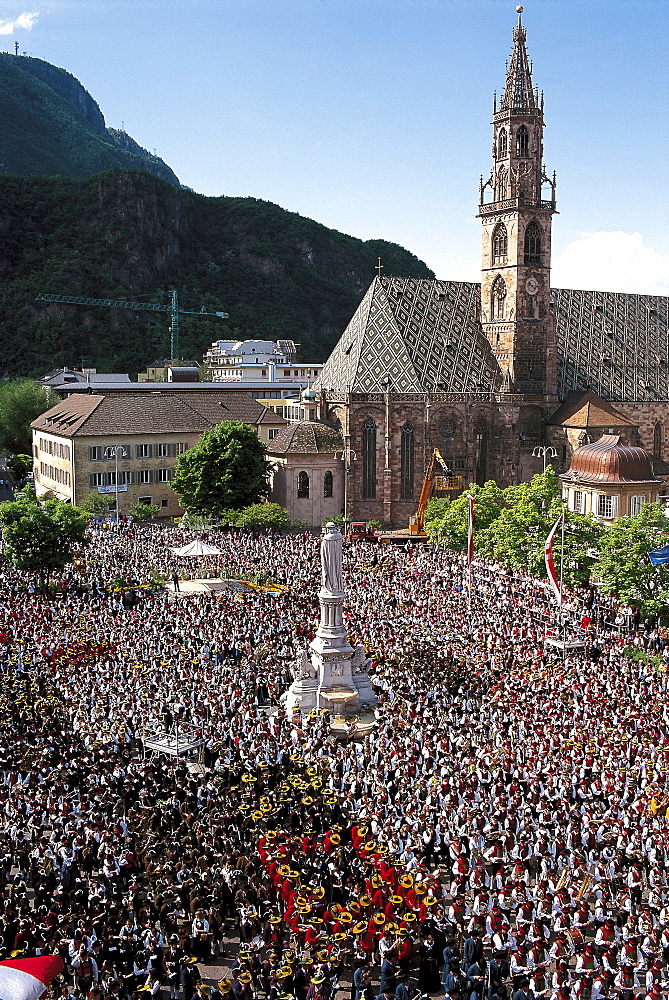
406 462
369 460
303 486
327 484
522 142
502 144
533 244
481 451
500 244
657 441
497 298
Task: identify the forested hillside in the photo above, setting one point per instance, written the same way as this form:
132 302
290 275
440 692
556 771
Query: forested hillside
127 233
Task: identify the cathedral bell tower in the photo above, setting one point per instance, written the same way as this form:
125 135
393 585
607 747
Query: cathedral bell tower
515 280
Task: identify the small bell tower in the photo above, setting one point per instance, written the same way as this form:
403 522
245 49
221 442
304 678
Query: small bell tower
516 207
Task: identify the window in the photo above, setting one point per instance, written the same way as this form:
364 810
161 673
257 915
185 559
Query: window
502 144
497 298
607 506
369 460
272 433
143 451
446 429
161 450
125 478
327 484
95 479
406 461
578 501
164 502
303 486
657 441
533 244
500 242
635 505
144 476
95 453
146 500
522 142
164 475
481 451
182 447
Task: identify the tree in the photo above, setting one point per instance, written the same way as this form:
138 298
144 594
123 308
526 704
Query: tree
41 535
263 515
447 520
144 511
21 402
226 469
96 503
20 465
624 568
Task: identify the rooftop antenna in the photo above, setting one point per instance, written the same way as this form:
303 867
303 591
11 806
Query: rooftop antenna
16 48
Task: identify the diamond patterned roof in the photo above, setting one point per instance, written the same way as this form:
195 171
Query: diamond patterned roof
421 334
424 336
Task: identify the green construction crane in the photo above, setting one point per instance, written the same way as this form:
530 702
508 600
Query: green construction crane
172 308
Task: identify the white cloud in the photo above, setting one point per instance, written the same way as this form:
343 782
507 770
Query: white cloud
611 262
26 21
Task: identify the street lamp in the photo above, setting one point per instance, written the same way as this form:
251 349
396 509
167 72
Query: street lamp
345 456
544 451
114 450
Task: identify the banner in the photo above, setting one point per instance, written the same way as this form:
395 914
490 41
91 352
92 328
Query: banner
470 532
659 556
113 489
550 567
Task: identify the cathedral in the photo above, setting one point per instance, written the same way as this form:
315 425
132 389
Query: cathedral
497 375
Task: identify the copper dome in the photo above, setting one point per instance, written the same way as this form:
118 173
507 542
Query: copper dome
608 461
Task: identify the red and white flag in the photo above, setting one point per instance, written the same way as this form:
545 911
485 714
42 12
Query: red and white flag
470 532
550 566
28 978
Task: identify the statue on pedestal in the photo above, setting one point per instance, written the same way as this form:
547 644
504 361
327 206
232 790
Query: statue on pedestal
331 560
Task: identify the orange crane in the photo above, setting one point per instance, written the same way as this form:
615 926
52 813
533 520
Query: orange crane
446 482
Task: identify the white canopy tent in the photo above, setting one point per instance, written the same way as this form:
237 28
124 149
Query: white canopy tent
197 548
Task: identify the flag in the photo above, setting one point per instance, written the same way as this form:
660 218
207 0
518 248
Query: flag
550 567
659 556
28 978
470 532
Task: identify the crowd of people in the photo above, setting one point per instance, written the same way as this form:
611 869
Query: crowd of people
500 832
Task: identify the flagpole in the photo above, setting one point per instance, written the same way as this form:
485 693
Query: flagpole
562 624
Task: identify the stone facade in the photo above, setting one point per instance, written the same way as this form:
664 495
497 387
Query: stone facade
479 370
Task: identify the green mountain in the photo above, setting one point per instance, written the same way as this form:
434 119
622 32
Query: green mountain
50 125
127 233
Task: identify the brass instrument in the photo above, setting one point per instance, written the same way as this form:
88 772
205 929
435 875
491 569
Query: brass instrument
586 885
565 878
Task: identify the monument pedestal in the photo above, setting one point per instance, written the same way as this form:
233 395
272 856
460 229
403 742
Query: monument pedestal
332 675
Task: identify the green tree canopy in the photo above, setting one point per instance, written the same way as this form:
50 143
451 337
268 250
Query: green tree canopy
447 520
624 569
40 535
21 402
263 515
225 470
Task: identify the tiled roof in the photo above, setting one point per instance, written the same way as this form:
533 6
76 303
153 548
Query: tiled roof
587 409
79 416
309 437
231 406
424 335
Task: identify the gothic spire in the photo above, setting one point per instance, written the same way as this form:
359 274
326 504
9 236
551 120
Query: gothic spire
518 92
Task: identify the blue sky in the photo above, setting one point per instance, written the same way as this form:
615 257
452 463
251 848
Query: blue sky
372 116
